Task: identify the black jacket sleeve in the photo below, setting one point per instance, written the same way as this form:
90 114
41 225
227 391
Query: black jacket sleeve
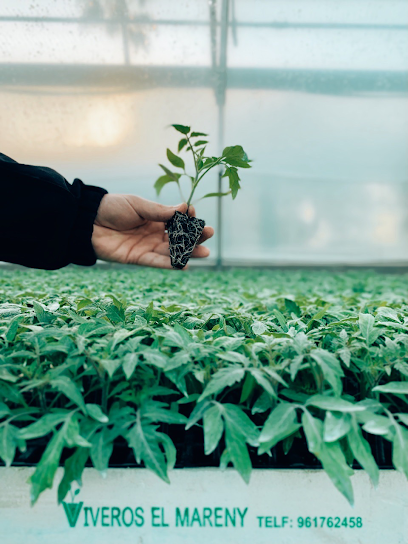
44 221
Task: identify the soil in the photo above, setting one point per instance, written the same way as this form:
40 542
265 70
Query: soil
184 233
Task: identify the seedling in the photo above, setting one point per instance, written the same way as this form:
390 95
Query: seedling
184 231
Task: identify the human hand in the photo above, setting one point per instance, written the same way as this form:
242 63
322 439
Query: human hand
131 230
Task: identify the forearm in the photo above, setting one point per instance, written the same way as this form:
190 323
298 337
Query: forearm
44 221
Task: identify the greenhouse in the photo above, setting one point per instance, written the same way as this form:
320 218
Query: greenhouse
204 271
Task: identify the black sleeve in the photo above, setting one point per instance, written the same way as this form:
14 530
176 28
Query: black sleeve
44 221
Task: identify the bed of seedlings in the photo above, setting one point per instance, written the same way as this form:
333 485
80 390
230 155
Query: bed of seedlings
132 366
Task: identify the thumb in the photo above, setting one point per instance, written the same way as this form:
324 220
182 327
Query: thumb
152 211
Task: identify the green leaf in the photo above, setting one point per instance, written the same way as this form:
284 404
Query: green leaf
238 452
333 403
172 175
247 387
95 411
195 134
183 142
330 367
69 388
13 328
235 156
8 443
321 313
182 128
375 424
144 441
222 379
292 307
43 476
334 463
239 423
208 195
313 429
175 160
369 332
335 426
161 182
398 388
233 177
42 314
153 411
115 314
213 428
101 450
129 364
73 469
110 365
42 426
262 379
281 422
362 452
258 327
83 303
201 142
400 449
169 449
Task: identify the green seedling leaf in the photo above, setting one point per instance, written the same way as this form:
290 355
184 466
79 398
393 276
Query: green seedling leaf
182 128
43 476
101 450
330 367
222 379
195 134
73 469
334 463
42 426
400 449
95 411
336 425
145 442
362 452
368 331
65 385
281 422
239 423
215 194
162 181
183 142
333 403
8 443
238 453
398 388
175 160
313 429
232 174
213 428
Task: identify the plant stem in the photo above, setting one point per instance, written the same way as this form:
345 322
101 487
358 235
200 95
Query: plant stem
198 179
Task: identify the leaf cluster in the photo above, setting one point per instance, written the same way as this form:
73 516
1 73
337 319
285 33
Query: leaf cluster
256 359
232 158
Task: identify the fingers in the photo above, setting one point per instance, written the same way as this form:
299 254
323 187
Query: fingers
207 233
152 211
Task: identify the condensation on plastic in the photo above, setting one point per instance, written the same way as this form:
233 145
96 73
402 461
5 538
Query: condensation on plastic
316 92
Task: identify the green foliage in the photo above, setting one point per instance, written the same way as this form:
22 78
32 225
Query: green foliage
232 158
92 356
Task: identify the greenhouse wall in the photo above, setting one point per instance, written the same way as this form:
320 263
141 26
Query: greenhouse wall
315 91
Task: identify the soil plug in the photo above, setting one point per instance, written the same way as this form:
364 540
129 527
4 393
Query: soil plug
185 231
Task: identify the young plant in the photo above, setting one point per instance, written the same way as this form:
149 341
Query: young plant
184 231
